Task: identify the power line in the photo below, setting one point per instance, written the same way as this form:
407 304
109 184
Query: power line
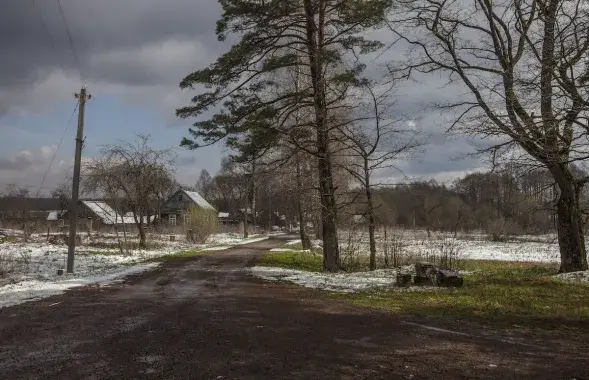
57 149
51 39
70 38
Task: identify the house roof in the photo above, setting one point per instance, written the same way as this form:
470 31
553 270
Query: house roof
31 204
54 215
107 213
198 199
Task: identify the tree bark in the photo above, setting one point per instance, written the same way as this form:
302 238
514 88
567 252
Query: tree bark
314 36
305 241
571 238
370 215
142 237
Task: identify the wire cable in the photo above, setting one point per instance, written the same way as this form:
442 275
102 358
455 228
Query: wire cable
70 38
57 149
49 35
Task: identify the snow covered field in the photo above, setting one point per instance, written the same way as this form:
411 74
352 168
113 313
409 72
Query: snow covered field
414 246
541 248
29 270
338 282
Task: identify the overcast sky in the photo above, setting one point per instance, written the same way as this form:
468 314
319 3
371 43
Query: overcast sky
133 54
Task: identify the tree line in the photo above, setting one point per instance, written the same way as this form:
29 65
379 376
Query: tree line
294 84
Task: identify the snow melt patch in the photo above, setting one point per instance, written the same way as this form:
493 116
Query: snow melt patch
33 290
336 282
290 250
30 269
581 276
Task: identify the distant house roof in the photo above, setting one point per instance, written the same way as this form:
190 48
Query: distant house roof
53 215
106 213
31 204
198 199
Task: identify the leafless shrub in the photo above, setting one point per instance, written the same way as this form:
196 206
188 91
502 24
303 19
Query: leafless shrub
201 224
502 230
444 252
393 248
7 263
351 255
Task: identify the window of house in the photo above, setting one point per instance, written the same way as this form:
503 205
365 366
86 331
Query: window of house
180 198
186 218
172 220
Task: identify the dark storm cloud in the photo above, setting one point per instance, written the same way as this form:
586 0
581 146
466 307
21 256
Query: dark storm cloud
103 31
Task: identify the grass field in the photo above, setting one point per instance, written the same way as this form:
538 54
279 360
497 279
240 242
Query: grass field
517 294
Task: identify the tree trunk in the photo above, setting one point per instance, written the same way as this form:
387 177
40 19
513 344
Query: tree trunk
245 216
331 259
305 241
315 33
142 238
571 239
370 215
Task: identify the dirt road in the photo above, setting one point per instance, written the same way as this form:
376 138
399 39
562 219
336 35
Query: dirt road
207 319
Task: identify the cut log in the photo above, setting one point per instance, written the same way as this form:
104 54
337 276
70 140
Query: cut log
424 269
425 273
449 278
403 279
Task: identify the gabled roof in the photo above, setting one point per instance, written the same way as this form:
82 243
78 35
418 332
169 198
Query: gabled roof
103 211
198 199
54 215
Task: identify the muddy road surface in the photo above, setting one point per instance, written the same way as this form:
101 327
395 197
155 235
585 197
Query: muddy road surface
206 318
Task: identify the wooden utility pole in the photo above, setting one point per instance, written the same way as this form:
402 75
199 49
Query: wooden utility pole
76 182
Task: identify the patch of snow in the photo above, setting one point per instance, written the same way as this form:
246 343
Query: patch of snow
581 276
289 250
30 265
337 282
293 242
416 245
33 290
219 248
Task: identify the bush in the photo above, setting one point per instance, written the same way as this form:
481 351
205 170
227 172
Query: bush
393 248
200 224
503 230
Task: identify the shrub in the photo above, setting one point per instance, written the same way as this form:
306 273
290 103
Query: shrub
200 224
502 230
393 248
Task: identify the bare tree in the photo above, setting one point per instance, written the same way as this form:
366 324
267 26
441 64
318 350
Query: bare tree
136 170
203 184
523 64
377 142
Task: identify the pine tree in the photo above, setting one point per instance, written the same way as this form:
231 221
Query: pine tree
318 39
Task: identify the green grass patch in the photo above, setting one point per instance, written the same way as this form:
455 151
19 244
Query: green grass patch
308 261
179 256
508 293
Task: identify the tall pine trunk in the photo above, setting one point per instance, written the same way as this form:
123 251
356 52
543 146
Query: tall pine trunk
306 243
315 36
